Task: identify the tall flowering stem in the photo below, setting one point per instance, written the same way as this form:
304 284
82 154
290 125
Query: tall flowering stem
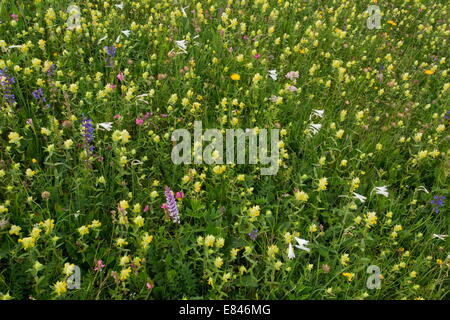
88 134
6 83
172 205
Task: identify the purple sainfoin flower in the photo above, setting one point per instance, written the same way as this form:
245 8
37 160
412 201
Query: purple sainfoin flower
253 234
51 70
39 95
438 203
447 115
111 52
172 205
88 134
6 82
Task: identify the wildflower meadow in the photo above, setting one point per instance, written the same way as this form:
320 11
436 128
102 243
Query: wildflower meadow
224 149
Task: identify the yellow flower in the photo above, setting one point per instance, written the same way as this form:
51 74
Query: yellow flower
95 224
69 268
122 136
254 211
125 273
68 144
226 277
38 266
83 230
120 242
429 72
323 182
272 251
371 219
349 276
15 230
339 134
48 225
220 242
30 173
344 259
124 205
14 137
218 262
235 77
146 240
301 196
28 242
219 169
209 240
312 228
139 221
60 287
124 260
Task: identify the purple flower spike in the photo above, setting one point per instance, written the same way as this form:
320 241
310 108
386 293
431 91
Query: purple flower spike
172 205
88 134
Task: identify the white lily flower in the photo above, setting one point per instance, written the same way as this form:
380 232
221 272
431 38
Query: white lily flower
273 74
422 188
439 236
302 244
315 127
182 45
100 40
291 254
120 6
382 190
318 113
105 125
126 32
359 197
184 12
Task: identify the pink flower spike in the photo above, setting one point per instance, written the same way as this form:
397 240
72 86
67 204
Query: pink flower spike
99 266
164 206
146 208
14 16
120 76
257 56
117 116
139 121
149 286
